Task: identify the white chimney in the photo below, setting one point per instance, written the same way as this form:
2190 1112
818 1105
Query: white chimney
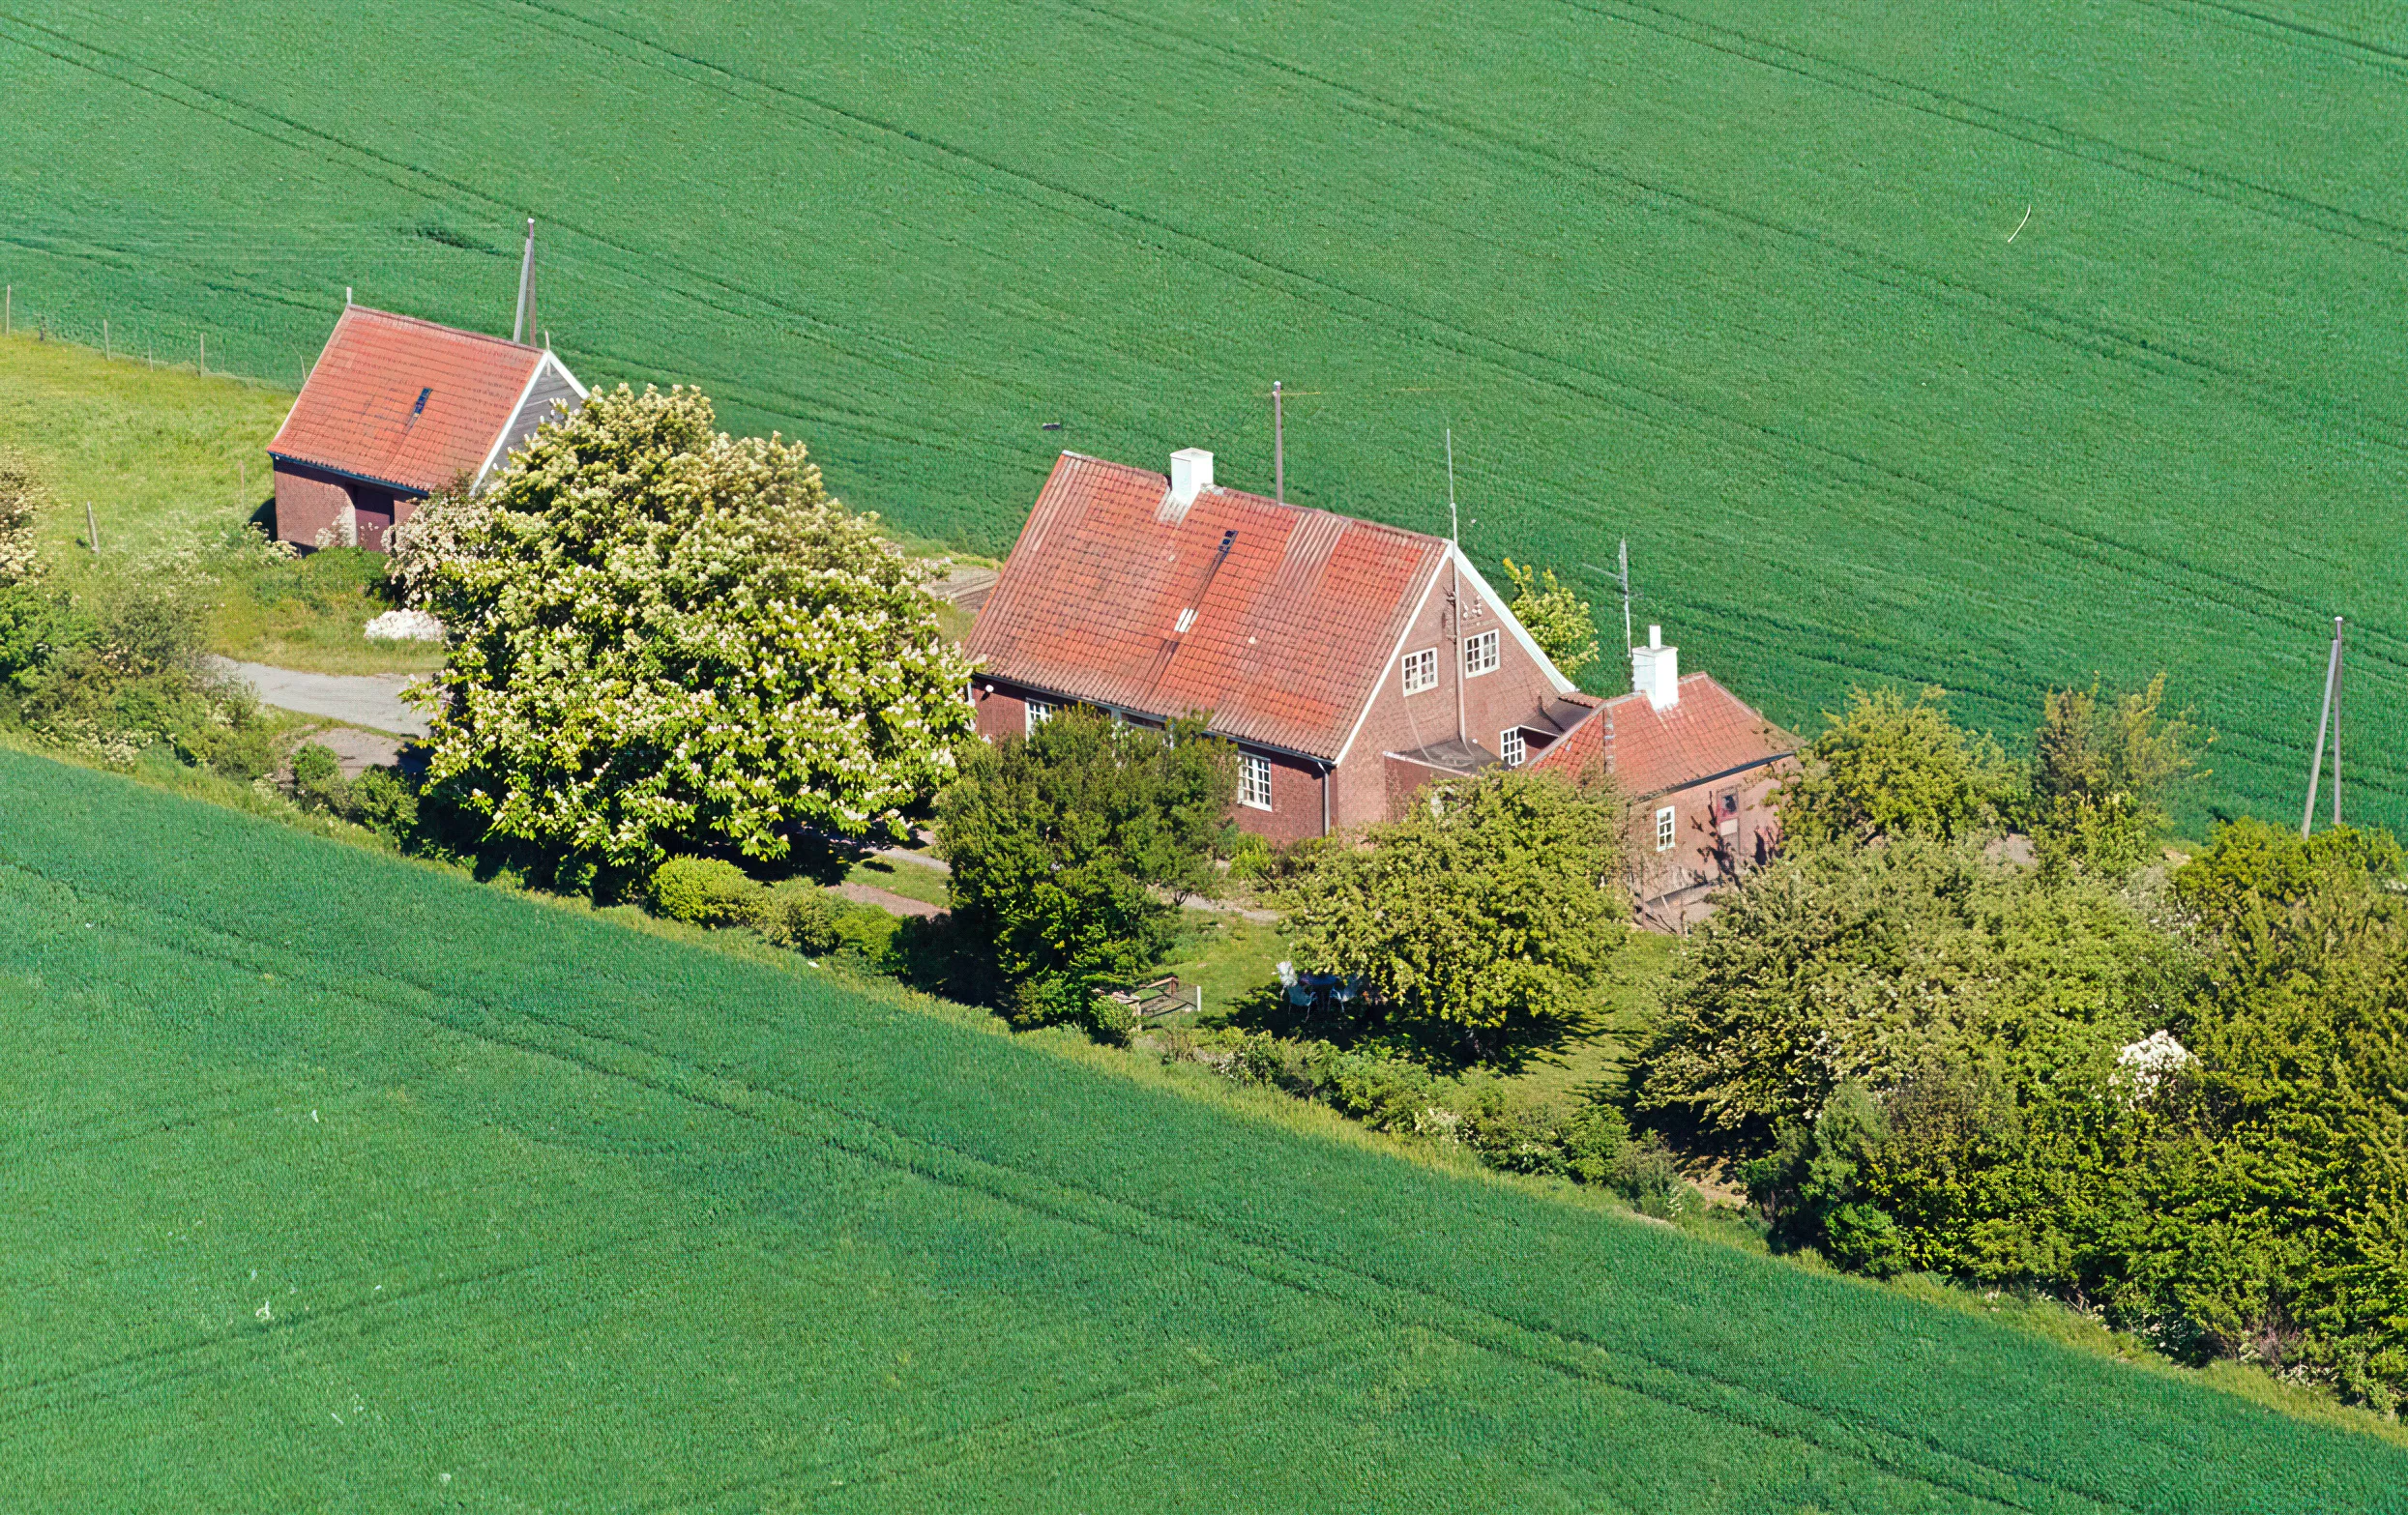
1656 671
1191 475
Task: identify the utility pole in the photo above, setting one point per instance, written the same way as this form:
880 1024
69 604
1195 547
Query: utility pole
8 311
1278 448
2329 720
1455 590
526 289
106 351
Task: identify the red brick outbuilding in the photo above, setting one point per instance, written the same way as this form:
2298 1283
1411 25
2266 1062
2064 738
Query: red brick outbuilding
397 409
1697 766
1350 663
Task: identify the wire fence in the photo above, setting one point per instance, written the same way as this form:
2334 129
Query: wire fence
179 350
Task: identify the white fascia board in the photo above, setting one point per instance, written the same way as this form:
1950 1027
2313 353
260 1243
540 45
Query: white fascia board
515 406
1521 634
1402 636
553 359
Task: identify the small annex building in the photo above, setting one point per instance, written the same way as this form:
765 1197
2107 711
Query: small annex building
395 409
1350 663
1697 766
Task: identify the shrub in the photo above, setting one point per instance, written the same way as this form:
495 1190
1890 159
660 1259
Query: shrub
385 803
705 891
801 917
318 779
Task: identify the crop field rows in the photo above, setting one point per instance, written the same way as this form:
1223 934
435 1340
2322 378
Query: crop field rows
1999 347
381 1187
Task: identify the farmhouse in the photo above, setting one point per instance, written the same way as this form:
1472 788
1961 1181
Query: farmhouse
1349 661
1697 766
397 409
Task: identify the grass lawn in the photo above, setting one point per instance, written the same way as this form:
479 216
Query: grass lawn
499 1207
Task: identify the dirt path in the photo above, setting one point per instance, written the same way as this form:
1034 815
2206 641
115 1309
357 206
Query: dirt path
364 699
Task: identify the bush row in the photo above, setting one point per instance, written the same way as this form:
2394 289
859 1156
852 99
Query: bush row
1582 1139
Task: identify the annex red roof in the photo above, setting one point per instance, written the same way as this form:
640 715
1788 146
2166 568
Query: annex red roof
1707 733
404 401
1295 611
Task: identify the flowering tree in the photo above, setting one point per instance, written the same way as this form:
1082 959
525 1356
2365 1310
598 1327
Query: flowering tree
659 634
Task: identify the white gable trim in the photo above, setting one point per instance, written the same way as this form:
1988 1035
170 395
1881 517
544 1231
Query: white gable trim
533 377
1403 635
1529 644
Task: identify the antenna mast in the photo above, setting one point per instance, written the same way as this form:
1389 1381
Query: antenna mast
1455 591
525 322
1278 448
2329 720
1623 578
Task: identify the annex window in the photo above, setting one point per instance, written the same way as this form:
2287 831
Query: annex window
1667 828
1479 655
1511 746
1040 711
1253 781
1420 670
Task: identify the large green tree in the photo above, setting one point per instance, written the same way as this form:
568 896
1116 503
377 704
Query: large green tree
660 635
1886 768
1071 849
2104 767
1485 914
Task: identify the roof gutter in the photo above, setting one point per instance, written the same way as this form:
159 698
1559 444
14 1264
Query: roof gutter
1110 709
419 490
1728 772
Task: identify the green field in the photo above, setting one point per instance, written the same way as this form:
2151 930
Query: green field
335 1182
1996 344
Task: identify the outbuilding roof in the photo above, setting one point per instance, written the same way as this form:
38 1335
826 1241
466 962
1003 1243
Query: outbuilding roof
407 402
1277 620
1706 733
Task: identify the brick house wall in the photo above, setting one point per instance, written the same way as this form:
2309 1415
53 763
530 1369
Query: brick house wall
311 502
1513 694
1719 829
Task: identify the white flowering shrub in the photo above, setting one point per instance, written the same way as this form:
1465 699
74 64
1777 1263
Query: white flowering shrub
659 634
20 493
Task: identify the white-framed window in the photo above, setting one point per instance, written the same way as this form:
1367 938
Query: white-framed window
1253 781
1479 655
1420 670
1667 828
1040 711
1511 746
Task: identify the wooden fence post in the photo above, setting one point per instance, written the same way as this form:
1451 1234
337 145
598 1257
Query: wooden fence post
90 529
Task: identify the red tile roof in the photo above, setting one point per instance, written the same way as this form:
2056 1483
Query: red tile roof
1293 624
360 413
1707 733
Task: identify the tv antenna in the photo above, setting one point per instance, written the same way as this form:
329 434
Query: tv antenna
1622 580
1455 590
2330 718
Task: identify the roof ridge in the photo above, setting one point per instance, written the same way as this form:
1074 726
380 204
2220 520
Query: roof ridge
1365 522
449 330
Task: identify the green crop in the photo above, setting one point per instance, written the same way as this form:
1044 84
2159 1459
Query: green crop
341 1182
1994 345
